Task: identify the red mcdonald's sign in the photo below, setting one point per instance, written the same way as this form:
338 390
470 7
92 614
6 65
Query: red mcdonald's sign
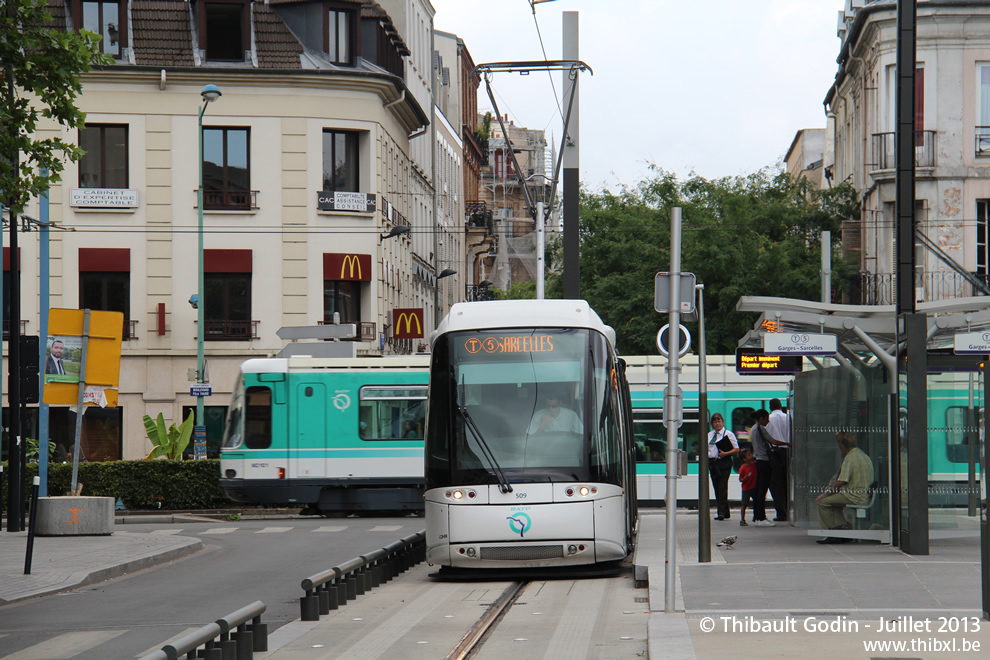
347 267
407 323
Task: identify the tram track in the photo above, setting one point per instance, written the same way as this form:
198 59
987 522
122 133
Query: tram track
474 638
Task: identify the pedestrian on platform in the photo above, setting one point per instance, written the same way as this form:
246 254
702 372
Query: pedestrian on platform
747 478
779 427
722 446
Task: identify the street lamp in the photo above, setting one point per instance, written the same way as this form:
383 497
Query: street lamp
209 93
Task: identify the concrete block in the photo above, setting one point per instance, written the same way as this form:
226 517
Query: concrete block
75 516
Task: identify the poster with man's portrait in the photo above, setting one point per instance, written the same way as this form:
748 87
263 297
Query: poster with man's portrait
63 357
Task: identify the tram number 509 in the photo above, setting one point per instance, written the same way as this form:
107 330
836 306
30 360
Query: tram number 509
520 496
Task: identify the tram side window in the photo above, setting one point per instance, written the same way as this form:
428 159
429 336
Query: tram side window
392 413
258 418
959 432
651 436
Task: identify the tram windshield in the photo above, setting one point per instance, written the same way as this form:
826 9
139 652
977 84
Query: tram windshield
543 400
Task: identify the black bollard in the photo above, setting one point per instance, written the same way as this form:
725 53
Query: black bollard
324 598
260 632
227 646
34 521
309 607
332 596
341 591
245 642
351 586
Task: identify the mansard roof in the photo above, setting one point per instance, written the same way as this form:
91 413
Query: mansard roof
161 33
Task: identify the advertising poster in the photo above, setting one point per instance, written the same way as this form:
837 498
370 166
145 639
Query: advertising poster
63 358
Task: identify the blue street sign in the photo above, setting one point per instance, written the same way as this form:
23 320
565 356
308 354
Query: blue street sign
200 390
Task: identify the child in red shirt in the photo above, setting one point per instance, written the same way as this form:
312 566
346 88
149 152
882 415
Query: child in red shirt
747 475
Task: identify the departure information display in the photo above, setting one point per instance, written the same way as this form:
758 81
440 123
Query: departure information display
754 361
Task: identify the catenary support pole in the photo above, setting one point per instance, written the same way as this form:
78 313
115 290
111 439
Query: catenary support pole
704 505
672 415
572 161
44 300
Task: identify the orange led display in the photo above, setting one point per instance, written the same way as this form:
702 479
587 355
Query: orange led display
510 344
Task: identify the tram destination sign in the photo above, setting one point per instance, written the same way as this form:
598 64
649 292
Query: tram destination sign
798 343
972 343
754 362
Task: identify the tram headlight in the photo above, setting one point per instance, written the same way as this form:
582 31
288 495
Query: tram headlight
471 552
572 549
584 490
458 494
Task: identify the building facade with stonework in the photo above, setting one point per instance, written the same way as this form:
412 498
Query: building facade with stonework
951 146
309 161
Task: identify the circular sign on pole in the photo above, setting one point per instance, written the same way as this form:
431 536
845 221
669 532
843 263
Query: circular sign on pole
663 341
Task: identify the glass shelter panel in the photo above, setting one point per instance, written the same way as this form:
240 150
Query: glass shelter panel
841 430
955 427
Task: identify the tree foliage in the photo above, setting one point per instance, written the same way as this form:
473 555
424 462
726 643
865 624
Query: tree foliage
758 235
39 79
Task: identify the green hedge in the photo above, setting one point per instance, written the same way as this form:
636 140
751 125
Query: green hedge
165 485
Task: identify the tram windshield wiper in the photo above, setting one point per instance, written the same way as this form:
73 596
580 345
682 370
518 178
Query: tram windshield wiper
503 484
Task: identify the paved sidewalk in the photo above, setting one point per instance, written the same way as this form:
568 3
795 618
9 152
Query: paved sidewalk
60 563
759 598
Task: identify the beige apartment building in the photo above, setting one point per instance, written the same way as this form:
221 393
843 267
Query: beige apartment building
310 162
952 145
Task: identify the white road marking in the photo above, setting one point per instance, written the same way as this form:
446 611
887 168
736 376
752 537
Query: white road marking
330 529
220 530
166 531
273 530
65 646
386 528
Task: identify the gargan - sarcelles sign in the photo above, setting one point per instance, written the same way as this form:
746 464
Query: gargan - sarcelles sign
798 343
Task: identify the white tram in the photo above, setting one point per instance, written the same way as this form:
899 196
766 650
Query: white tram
530 459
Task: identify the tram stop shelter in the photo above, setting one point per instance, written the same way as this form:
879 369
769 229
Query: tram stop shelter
861 389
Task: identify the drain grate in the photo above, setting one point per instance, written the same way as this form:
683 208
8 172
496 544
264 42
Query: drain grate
641 599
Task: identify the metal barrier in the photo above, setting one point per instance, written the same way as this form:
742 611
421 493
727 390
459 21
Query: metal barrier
330 589
238 639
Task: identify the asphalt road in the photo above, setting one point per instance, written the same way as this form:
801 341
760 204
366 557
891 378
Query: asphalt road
243 561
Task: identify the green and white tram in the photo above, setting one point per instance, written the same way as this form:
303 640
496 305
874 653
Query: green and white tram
330 434
530 460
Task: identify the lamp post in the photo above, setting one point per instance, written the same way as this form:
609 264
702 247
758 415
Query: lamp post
209 93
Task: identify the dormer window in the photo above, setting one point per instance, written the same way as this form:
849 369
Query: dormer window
339 33
105 18
223 31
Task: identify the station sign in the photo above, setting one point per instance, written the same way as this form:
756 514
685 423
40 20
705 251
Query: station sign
799 343
972 343
686 294
754 362
200 390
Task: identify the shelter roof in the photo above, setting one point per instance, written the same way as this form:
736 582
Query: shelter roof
879 322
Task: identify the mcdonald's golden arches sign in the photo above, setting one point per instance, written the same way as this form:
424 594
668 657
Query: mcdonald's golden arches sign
407 323
347 267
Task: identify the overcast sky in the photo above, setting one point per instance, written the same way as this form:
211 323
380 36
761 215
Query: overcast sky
717 87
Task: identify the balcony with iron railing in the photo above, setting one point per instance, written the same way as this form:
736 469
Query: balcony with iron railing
366 331
883 163
879 288
982 140
230 200
478 293
223 330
